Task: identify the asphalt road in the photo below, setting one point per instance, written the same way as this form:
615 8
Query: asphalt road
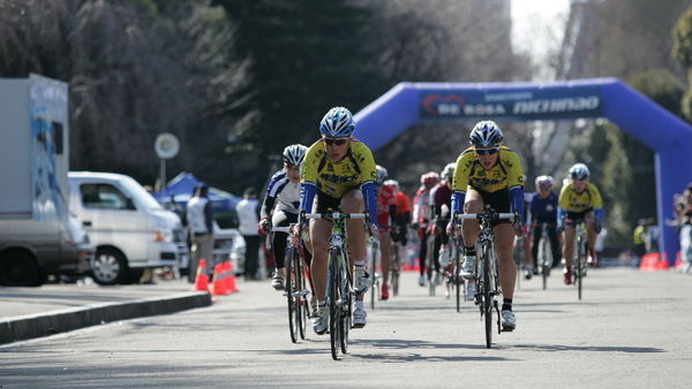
631 330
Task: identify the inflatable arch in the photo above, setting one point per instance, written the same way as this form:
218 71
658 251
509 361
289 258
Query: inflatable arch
670 137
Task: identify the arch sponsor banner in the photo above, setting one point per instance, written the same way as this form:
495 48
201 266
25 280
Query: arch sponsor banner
517 104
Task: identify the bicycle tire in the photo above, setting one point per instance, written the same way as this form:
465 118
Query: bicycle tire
487 295
545 265
334 279
293 323
302 300
579 273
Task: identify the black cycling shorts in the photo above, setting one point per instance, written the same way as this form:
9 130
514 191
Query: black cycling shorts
499 200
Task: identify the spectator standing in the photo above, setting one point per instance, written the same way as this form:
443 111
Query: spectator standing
248 220
200 221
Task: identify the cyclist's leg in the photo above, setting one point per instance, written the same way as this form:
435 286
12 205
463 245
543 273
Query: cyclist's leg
568 246
280 219
504 238
469 228
554 245
320 230
352 202
589 221
423 252
536 232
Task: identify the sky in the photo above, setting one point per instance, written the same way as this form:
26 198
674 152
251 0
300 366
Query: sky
537 25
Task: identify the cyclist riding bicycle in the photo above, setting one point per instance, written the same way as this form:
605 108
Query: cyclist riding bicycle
544 210
280 206
579 200
421 218
489 173
386 213
338 173
403 213
440 204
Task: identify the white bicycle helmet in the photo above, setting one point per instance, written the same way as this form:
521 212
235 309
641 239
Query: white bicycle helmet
544 181
448 171
579 171
486 134
392 183
294 154
338 122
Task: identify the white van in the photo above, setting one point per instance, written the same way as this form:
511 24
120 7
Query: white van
129 228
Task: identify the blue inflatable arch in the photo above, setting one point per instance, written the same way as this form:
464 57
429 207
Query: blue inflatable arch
408 104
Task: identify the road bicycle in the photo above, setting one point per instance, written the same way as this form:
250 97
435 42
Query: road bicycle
579 262
296 290
487 286
340 293
545 254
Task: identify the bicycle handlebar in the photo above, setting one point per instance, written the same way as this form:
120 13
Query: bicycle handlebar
335 215
282 229
503 215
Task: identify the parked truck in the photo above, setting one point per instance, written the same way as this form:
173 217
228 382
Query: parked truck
38 235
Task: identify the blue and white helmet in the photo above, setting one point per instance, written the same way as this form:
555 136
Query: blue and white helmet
337 122
294 154
579 171
486 134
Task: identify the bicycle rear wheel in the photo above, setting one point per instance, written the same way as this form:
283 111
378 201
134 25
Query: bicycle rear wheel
292 299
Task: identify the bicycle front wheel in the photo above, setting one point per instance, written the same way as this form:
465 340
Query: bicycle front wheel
546 261
487 305
580 265
334 291
292 299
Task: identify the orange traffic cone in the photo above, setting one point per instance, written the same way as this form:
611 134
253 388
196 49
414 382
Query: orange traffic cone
202 278
230 278
219 286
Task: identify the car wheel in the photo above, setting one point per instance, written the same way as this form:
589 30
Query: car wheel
109 267
19 268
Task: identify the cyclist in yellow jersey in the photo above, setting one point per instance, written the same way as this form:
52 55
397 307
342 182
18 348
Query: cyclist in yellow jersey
338 173
579 200
488 173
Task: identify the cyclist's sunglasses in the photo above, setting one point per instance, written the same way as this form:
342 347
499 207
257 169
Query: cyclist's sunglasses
335 142
489 151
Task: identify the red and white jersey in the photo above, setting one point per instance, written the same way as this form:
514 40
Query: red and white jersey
386 197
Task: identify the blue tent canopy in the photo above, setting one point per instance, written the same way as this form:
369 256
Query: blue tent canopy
182 186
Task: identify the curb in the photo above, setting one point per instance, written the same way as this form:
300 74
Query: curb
55 322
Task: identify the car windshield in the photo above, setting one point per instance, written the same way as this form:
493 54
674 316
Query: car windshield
140 195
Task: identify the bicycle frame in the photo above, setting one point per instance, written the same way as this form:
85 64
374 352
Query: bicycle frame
340 292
